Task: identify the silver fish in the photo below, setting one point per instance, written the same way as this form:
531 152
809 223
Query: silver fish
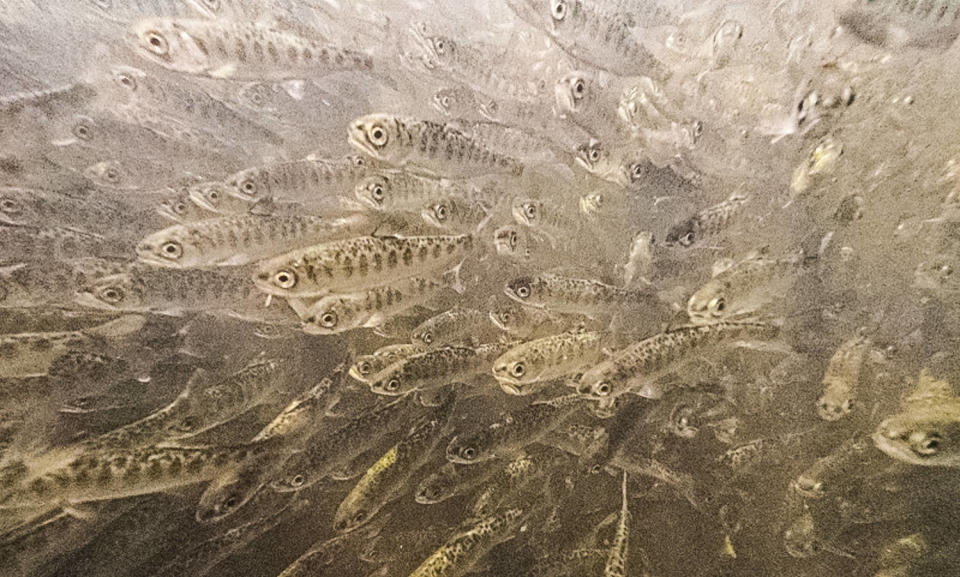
705 224
436 368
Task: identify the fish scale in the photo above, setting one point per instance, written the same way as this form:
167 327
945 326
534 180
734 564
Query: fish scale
522 368
459 553
435 368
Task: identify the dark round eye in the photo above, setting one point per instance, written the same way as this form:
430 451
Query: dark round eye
297 481
559 10
230 502
506 318
83 131
393 385
441 212
603 389
718 304
111 295
213 195
156 42
359 518
523 291
578 88
593 155
928 445
377 192
513 240
126 80
636 171
530 211
285 279
9 206
468 453
359 161
112 175
180 208
377 135
171 250
440 45
445 101
329 319
256 98
697 128
518 370
687 239
427 338
248 187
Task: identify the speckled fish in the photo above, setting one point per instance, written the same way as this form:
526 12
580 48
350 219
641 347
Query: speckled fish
371 308
181 208
47 283
309 180
72 477
174 292
323 456
706 223
579 296
387 478
449 480
33 354
527 367
396 190
745 286
604 35
522 322
514 242
307 408
516 431
510 483
230 240
358 263
433 147
827 475
616 565
932 25
456 325
365 367
215 196
546 218
455 215
633 368
436 368
239 50
464 549
34 207
32 243
924 431
842 378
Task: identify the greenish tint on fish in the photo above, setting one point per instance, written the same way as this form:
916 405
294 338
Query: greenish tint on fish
465 548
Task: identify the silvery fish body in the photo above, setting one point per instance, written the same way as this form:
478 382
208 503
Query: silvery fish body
528 366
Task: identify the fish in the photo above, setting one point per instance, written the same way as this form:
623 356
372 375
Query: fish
921 433
436 368
616 565
641 259
524 369
515 243
545 218
589 101
930 26
507 484
385 479
32 243
397 190
50 283
308 180
519 429
303 411
842 377
230 240
453 326
634 367
705 224
175 292
827 475
596 158
365 367
239 50
449 480
562 294
604 35
181 208
432 147
455 215
467 546
21 206
521 322
214 196
358 263
323 456
34 354
745 286
337 313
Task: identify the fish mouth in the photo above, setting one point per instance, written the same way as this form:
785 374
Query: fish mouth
85 298
510 388
356 137
894 450
353 372
497 323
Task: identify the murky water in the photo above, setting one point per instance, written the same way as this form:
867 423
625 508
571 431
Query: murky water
524 287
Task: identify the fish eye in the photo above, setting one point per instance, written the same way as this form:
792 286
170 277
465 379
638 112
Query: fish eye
925 444
9 206
112 175
213 195
359 161
636 171
717 304
329 319
468 453
439 45
111 295
297 481
505 317
441 212
697 128
593 155
530 210
156 43
578 88
445 101
427 338
230 502
285 279
364 367
687 239
171 250
359 518
126 80
393 385
377 192
248 187
514 240
518 370
377 136
602 389
83 131
523 291
559 10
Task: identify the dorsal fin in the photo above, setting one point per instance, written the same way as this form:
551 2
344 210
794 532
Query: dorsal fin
929 387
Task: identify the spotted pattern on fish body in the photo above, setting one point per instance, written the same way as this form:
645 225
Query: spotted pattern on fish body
358 263
841 379
573 295
649 357
705 224
365 367
547 358
461 552
616 565
450 326
436 368
303 180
